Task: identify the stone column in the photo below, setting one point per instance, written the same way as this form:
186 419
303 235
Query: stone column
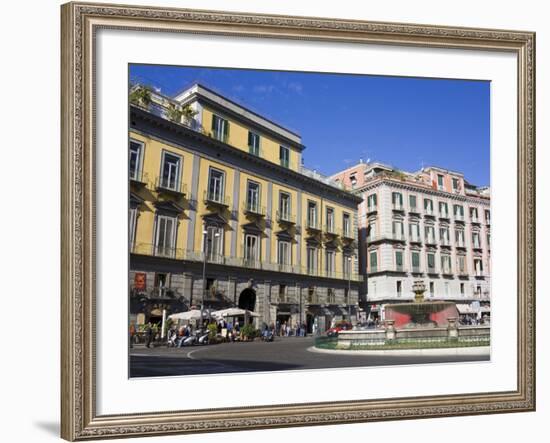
452 328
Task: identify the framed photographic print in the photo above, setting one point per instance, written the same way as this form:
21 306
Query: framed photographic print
283 221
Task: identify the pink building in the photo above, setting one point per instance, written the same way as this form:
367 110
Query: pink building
431 225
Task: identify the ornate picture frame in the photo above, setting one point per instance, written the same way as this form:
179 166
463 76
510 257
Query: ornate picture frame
80 22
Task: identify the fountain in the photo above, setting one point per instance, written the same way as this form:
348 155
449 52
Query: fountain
421 313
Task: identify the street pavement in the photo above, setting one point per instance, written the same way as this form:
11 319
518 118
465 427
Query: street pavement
284 354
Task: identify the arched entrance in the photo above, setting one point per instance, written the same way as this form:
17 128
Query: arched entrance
247 299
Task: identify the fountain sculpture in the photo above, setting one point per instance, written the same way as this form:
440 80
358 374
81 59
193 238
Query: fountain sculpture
421 313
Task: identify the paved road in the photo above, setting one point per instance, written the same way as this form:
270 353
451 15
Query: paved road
283 354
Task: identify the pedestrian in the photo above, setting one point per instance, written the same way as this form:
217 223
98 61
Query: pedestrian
132 334
149 334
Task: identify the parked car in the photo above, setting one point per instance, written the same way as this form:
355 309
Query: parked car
339 326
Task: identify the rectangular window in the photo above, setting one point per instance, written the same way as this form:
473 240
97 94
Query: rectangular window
284 206
459 237
397 200
462 289
346 223
399 260
430 234
478 267
132 220
473 215
446 264
165 238
458 212
415 260
398 287
216 185
253 197
447 292
440 182
412 203
397 229
329 262
371 230
443 210
254 144
220 128
312 215
346 264
283 253
371 202
214 243
251 249
136 151
330 220
373 259
475 240
432 289
284 156
428 206
353 180
414 231
282 293
487 216
456 185
431 262
331 298
461 263
444 236
312 260
171 165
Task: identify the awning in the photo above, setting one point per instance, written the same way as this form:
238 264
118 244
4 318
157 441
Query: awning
465 309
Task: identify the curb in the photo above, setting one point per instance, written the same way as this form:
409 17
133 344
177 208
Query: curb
477 350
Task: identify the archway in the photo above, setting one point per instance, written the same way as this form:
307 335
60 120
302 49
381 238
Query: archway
247 299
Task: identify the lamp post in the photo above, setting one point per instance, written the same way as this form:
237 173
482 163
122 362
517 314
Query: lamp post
349 286
205 254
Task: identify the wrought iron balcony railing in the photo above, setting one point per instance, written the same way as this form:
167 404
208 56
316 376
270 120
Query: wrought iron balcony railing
253 208
170 185
216 199
285 217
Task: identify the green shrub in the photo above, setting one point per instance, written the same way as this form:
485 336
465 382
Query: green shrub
212 330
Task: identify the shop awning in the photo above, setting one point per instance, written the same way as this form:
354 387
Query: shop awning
465 309
319 310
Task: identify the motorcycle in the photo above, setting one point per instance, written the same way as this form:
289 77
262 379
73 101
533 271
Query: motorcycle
203 339
268 336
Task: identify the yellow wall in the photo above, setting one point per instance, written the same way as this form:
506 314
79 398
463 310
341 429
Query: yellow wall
238 137
145 224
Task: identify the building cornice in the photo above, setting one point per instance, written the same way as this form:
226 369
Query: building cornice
288 177
426 190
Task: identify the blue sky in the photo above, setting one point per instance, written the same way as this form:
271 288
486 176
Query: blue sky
405 122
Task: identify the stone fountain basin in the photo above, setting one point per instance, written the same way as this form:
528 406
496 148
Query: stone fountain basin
421 314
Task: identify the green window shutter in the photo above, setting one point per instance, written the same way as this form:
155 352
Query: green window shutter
399 258
250 139
225 129
214 120
415 259
373 259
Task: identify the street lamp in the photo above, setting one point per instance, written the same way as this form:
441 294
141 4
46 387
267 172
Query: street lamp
205 254
349 286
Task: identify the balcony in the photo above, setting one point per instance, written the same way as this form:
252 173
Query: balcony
414 210
474 219
216 199
479 274
313 225
430 240
459 218
139 178
429 212
445 242
372 209
444 215
347 234
330 230
446 270
414 238
416 270
253 208
477 247
170 186
399 268
398 207
398 237
286 218
432 270
460 244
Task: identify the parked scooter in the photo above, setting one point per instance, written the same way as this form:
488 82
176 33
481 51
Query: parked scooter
203 338
268 335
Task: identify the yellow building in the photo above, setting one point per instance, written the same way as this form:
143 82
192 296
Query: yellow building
220 191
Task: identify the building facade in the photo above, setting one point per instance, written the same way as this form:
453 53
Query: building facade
431 226
222 214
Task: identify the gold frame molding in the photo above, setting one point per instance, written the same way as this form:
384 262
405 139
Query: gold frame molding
79 22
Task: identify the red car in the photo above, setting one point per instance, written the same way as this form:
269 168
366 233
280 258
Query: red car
340 326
